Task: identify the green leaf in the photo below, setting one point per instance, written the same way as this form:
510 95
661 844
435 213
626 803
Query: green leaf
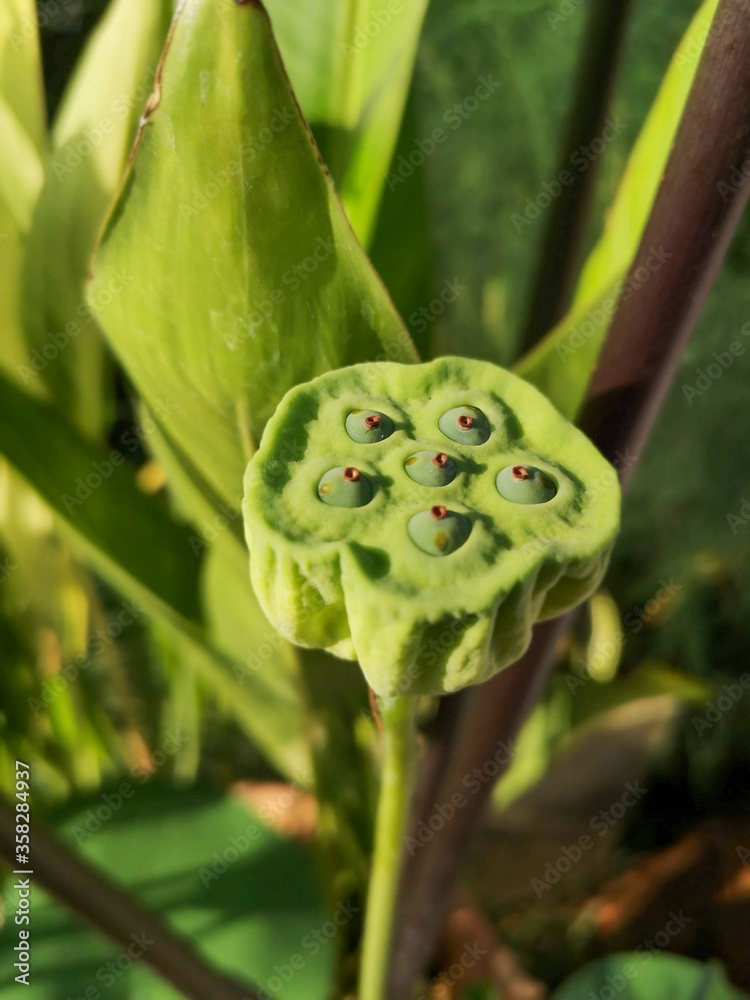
21 160
350 63
245 900
21 171
91 139
261 659
131 540
645 976
246 277
20 68
561 364
128 536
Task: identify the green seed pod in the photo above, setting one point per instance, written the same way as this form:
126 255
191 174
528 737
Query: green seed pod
345 488
525 484
439 531
431 468
426 604
368 426
465 424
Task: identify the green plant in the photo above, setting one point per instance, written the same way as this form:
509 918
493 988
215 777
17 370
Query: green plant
429 587
228 268
350 580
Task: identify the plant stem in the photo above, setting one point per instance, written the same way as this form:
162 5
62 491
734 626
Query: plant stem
559 260
111 911
399 734
695 215
481 725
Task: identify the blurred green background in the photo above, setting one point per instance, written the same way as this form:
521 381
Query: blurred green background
652 654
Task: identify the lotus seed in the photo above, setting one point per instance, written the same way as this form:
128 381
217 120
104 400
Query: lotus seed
439 531
368 426
431 468
466 425
345 488
413 561
525 484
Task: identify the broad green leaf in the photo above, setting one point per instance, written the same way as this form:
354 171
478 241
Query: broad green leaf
21 170
561 364
91 139
627 217
193 497
350 64
246 277
133 543
262 660
646 975
21 160
244 900
128 535
20 68
263 663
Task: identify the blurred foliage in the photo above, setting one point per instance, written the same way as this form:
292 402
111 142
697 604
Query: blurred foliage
638 977
130 615
212 872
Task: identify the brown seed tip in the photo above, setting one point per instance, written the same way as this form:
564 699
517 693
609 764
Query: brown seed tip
438 512
351 475
519 472
440 460
372 421
465 423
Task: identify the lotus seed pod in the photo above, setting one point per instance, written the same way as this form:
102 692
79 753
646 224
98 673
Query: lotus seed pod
368 426
465 424
429 595
345 488
431 468
525 484
439 531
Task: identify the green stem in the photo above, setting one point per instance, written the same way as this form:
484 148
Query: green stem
399 732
